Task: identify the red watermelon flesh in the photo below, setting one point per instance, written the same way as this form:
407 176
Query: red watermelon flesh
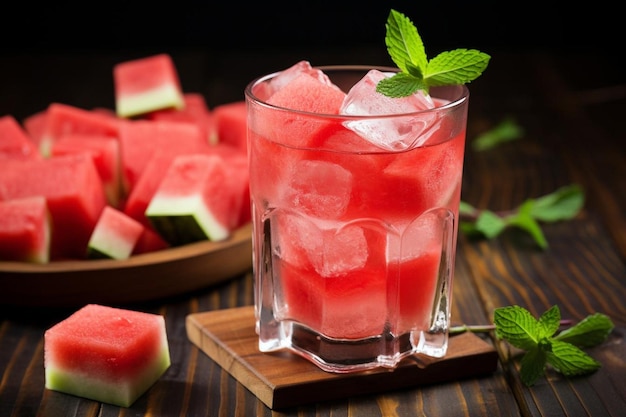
15 141
303 93
195 200
63 119
230 124
35 127
140 139
195 112
114 236
105 152
106 354
149 241
25 230
74 193
146 84
154 171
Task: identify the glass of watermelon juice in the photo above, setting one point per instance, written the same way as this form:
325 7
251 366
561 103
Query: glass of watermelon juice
354 216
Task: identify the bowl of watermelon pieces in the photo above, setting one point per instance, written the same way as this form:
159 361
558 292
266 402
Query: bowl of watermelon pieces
146 200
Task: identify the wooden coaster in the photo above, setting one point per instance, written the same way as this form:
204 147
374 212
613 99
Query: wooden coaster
284 379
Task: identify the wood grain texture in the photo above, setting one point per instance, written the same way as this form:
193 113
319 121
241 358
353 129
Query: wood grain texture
571 107
283 379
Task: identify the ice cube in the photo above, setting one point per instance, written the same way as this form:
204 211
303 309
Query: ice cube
319 189
390 133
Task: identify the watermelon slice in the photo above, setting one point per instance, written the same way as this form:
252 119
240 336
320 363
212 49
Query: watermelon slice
114 236
146 84
230 124
105 152
106 354
63 119
195 112
25 230
149 241
15 141
194 201
74 193
141 139
35 127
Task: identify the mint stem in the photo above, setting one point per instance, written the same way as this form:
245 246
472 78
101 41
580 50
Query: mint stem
484 328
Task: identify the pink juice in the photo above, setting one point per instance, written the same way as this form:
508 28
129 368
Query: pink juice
353 241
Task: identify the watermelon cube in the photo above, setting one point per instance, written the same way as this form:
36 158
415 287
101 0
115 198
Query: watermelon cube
146 84
195 201
106 354
230 124
73 191
106 155
140 139
15 141
115 235
63 119
25 230
195 112
35 127
149 241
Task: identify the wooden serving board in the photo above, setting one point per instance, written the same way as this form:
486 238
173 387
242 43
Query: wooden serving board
283 379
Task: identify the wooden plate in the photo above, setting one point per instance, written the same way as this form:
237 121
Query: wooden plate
140 278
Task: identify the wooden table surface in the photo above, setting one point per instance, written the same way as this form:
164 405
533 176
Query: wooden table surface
572 109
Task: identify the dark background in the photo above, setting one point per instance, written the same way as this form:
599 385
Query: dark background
227 25
65 52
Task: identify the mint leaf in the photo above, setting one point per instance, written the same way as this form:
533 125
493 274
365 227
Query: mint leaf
506 131
524 220
570 360
549 322
404 43
563 204
591 331
533 366
400 85
517 326
459 66
407 51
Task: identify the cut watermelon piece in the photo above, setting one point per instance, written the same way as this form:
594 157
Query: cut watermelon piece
62 119
230 124
35 127
105 152
106 354
74 193
25 230
141 139
194 201
146 84
303 93
15 141
149 241
114 236
151 176
195 112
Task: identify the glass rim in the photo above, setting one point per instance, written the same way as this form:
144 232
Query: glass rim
462 98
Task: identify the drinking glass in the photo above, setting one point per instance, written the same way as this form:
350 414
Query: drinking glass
354 240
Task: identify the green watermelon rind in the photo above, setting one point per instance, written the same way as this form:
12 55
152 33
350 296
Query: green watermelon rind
106 245
116 392
164 97
182 220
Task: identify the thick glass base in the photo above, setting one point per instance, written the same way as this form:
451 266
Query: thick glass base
351 355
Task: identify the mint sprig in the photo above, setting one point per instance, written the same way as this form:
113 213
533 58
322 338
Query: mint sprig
563 204
417 72
545 347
